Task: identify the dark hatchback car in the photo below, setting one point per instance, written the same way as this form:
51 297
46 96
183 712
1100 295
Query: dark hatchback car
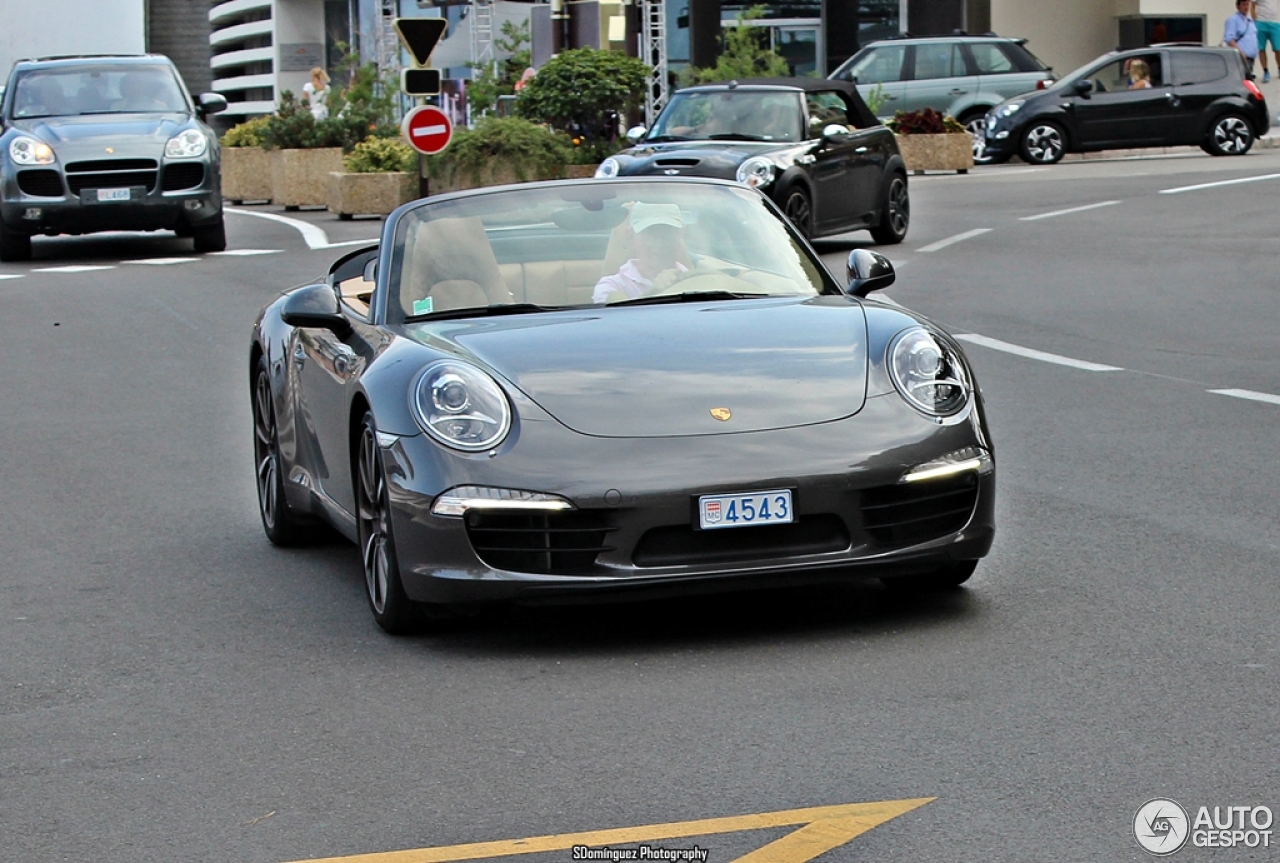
106 143
1164 95
810 144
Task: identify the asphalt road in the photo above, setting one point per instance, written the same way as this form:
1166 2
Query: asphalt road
173 688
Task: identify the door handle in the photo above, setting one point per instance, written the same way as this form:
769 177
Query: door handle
958 92
860 150
1173 100
299 356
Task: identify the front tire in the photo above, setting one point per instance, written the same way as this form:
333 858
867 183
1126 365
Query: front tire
281 525
210 238
14 246
392 609
1231 135
799 209
1043 143
895 213
948 577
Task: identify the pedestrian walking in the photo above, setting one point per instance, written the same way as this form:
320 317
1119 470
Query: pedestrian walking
1266 17
1241 33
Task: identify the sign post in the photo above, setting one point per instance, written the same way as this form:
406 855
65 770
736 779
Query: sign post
428 133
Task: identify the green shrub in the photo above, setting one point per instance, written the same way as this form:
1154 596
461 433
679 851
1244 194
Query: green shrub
292 127
381 155
246 134
529 149
926 121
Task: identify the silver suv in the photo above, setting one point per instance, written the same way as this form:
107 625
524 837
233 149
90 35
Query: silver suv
964 76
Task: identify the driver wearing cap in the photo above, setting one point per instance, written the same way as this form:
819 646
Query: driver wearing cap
658 230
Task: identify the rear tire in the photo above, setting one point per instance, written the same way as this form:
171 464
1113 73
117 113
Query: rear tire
210 238
948 577
976 126
895 213
1231 135
281 525
14 246
799 209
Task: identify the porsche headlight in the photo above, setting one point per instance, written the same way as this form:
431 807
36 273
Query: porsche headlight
186 145
756 172
928 372
461 406
29 151
608 168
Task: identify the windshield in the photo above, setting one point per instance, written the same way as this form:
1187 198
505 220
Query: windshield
750 115
99 89
597 244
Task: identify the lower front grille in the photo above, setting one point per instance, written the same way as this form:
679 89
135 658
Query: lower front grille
912 513
183 175
111 180
547 543
43 182
681 545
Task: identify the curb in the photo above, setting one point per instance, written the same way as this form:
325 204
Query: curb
1266 142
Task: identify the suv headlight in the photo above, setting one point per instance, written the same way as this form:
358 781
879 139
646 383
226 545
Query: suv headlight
29 151
461 406
756 172
928 372
186 145
608 168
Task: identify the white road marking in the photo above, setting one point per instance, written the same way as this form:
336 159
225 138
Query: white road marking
162 262
7 276
314 237
75 268
1031 353
950 241
1221 183
1250 395
1068 212
244 253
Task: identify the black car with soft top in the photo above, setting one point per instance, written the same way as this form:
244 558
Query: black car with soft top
810 144
106 143
1163 95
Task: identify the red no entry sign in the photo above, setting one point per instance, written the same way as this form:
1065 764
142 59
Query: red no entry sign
427 129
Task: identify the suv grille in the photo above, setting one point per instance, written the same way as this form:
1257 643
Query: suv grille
43 182
912 513
557 543
680 545
183 175
111 174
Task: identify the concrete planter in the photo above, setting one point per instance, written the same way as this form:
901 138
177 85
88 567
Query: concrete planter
953 152
246 174
369 194
300 178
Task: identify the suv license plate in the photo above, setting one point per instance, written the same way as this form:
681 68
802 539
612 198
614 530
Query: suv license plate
113 194
742 510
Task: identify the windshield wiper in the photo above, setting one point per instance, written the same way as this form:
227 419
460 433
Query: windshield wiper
689 297
480 312
735 136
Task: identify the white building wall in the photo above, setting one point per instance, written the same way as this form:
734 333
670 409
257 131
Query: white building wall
53 27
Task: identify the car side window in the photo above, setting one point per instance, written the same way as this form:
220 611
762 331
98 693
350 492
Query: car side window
1128 74
880 65
937 60
1198 68
825 109
990 59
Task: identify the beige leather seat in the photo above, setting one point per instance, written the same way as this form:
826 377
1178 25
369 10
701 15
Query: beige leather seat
454 265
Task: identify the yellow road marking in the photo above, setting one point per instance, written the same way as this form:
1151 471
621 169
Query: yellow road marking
821 829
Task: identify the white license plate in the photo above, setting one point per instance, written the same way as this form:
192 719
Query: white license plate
113 194
743 510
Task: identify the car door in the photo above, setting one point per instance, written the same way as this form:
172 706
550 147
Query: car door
939 77
1198 81
881 68
844 169
1116 113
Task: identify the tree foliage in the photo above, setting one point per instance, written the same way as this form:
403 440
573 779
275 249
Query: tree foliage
743 55
499 79
380 155
584 91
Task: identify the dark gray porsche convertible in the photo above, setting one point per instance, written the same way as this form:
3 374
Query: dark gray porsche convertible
508 400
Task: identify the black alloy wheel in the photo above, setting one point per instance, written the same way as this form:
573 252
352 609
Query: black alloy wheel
282 526
210 238
895 212
13 245
392 609
1231 135
946 578
799 210
1043 143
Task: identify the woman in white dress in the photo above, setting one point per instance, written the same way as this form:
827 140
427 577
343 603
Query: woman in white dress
316 92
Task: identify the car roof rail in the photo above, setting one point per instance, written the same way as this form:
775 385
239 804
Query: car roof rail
1177 45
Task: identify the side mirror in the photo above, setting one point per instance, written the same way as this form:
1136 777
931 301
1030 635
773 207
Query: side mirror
315 307
635 133
211 103
835 132
1084 87
868 271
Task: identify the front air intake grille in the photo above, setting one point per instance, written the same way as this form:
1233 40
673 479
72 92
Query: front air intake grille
43 182
912 513
676 163
112 174
183 175
681 545
550 543
100 165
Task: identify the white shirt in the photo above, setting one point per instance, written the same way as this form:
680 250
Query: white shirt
627 280
316 100
1267 10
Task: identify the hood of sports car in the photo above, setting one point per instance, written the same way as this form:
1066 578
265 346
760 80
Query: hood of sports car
685 369
693 158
